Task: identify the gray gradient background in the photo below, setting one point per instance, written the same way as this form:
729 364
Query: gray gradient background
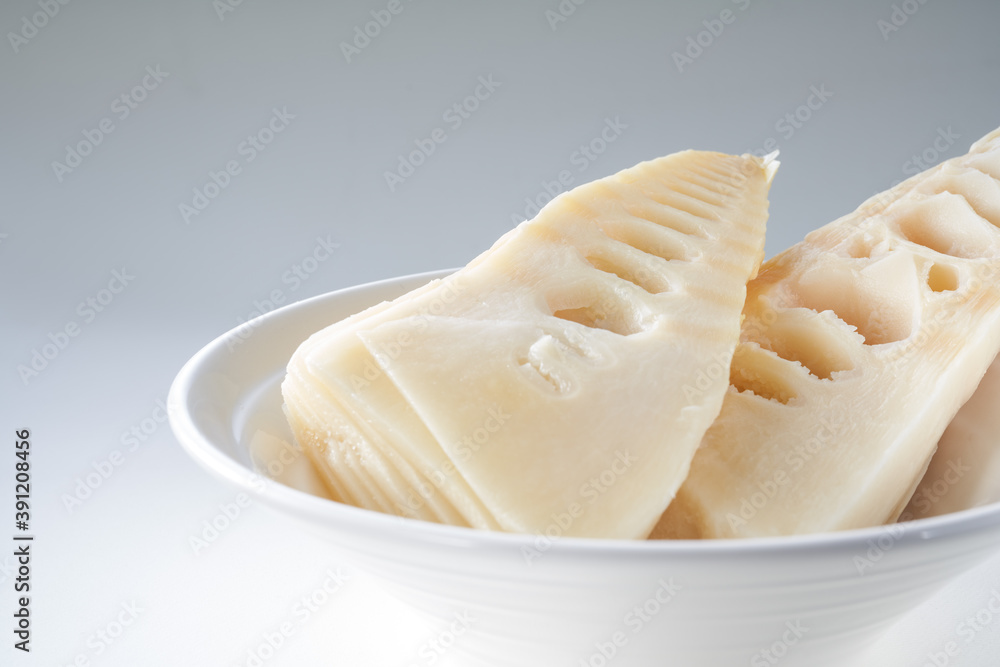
324 177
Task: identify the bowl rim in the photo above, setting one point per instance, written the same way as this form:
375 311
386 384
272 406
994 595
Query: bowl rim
201 447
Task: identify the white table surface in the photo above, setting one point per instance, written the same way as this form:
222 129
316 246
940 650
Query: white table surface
124 553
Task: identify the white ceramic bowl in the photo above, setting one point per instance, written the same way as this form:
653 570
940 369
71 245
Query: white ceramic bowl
812 600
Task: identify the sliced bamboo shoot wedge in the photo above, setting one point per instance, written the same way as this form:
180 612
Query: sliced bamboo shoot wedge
965 470
858 347
563 379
